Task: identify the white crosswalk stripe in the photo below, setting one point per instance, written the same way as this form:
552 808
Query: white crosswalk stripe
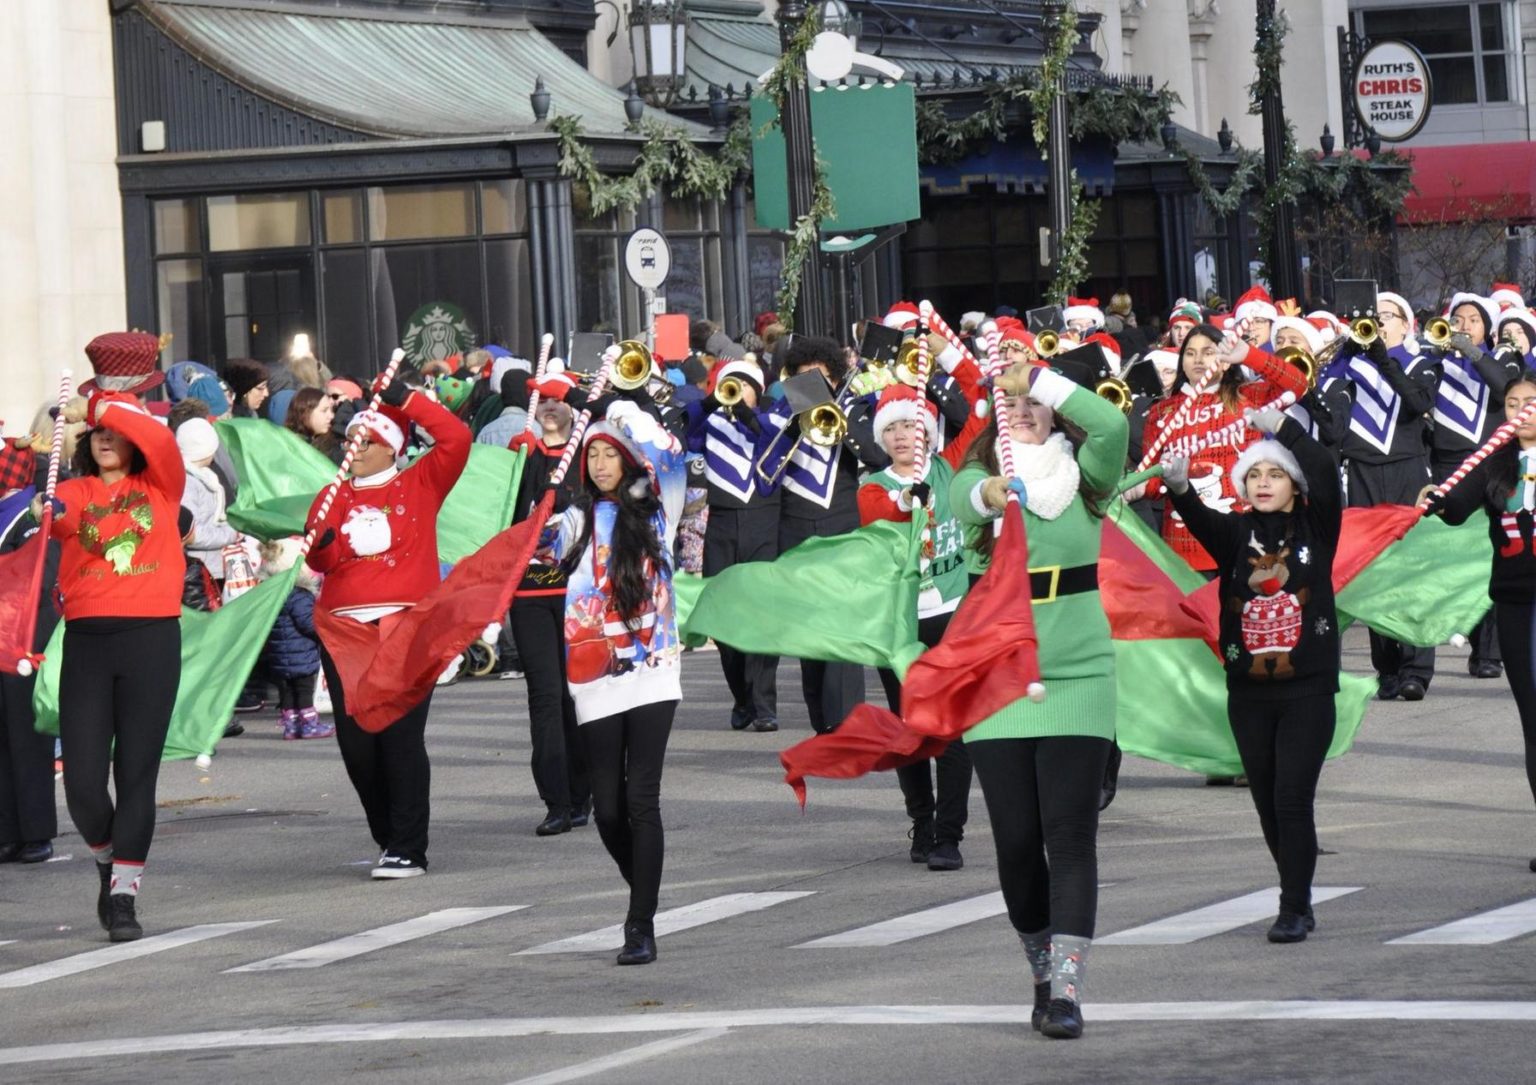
1226 915
904 928
671 921
123 951
1482 929
355 945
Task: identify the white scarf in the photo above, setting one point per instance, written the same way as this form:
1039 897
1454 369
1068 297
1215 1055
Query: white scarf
1050 473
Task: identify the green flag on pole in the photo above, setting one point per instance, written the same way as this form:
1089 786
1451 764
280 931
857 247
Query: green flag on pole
1429 585
480 503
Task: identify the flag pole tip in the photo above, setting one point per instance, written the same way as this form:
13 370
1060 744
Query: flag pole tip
24 668
1458 641
204 761
66 373
1036 692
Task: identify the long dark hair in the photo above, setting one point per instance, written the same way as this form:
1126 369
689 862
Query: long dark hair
1504 463
635 545
983 450
296 420
84 461
1231 380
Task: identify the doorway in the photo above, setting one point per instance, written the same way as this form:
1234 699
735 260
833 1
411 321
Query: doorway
259 303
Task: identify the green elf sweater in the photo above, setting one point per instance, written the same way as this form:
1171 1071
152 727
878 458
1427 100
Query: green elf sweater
1077 660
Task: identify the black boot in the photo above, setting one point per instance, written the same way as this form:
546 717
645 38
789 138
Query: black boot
104 898
1289 927
639 945
554 823
1042 1003
1063 1020
124 925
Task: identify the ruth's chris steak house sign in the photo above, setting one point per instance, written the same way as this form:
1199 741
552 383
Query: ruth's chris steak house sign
1391 90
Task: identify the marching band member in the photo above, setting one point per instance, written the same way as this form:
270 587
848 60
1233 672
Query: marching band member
1322 412
903 422
1255 314
621 643
1083 317
1042 765
1279 634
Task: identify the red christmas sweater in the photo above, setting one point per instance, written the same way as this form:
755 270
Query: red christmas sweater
1212 437
120 554
385 550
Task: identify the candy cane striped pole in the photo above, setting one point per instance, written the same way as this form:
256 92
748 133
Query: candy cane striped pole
1496 440
938 324
924 367
29 662
545 345
579 429
353 442
1155 449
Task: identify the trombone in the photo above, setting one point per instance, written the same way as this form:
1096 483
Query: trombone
632 366
824 424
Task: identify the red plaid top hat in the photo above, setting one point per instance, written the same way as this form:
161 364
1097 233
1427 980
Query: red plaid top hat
124 355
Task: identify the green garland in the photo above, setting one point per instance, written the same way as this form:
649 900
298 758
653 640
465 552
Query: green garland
1052 67
1268 55
1244 178
1072 253
804 244
667 157
789 72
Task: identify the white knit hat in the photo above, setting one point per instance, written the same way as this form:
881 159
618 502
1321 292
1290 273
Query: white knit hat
1268 450
1402 304
196 439
1487 306
742 370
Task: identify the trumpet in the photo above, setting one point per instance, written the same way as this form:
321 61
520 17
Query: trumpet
1438 332
824 425
1047 343
730 391
632 367
1364 331
1116 391
1302 360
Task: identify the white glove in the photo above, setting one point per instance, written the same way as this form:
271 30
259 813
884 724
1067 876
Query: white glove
1266 420
1176 473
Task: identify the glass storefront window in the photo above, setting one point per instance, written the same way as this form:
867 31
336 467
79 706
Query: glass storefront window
343 216
182 308
509 313
503 207
597 287
347 346
176 228
409 212
765 272
406 277
692 287
267 221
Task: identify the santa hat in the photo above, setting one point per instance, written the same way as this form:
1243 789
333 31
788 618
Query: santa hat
742 370
1010 330
1083 309
972 320
347 389
902 316
1400 302
1255 304
1309 331
1110 347
380 427
901 403
1268 450
1518 315
1162 359
638 426
554 385
1327 323
1507 296
1486 306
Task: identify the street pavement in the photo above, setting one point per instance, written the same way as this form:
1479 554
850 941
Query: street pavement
270 956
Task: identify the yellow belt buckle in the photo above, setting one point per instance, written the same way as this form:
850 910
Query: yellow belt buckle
1055 571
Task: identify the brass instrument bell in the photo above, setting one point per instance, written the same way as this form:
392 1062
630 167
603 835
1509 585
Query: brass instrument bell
730 391
632 367
1438 332
1116 391
1302 360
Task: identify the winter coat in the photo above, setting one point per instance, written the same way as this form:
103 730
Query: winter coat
293 647
211 533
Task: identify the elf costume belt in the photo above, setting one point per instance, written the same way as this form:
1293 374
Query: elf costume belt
1051 581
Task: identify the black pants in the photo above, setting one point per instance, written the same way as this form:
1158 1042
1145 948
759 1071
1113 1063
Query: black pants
1396 483
1043 798
389 771
1482 638
116 693
731 537
952 767
296 693
1282 744
625 753
27 810
831 690
559 759
1518 639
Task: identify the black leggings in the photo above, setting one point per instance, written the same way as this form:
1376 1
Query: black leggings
624 756
1043 798
117 687
296 693
559 761
1517 639
389 771
1282 744
28 813
952 767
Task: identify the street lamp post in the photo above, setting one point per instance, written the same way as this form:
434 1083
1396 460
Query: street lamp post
1058 149
1284 267
800 164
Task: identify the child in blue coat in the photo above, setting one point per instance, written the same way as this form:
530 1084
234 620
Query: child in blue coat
292 655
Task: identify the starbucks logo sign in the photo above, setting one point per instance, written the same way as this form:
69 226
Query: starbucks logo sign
434 332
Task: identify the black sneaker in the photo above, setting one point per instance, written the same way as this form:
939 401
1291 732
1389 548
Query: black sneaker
122 924
1042 1004
554 824
250 702
765 724
639 945
945 856
1486 668
741 719
394 867
1289 927
104 898
1413 689
921 835
581 815
38 851
234 729
1063 1020
1389 686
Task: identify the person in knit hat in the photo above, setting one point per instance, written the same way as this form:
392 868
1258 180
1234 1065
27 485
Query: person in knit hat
1517 328
204 496
121 569
248 381
615 543
1083 317
1184 318
376 546
1254 316
291 656
906 425
1279 633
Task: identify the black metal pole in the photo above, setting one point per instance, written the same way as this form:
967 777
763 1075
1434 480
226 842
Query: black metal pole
799 161
1058 147
1284 266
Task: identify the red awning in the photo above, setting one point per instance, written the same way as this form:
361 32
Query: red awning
1472 183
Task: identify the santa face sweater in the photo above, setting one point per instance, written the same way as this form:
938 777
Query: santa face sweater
385 550
1279 628
611 664
1511 524
1077 659
1212 437
121 553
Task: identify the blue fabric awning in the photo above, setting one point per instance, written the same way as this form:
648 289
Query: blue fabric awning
1018 167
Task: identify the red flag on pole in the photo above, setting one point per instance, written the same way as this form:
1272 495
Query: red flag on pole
20 585
871 739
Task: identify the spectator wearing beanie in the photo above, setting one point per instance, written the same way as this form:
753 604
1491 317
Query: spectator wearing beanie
204 496
248 380
211 392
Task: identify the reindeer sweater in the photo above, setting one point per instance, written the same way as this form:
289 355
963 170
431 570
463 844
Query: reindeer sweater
1279 627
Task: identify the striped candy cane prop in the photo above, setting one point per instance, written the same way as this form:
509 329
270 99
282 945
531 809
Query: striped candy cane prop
1496 440
545 345
32 660
579 429
936 323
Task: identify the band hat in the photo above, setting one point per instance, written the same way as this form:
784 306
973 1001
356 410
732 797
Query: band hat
1522 316
1268 450
126 362
1402 306
742 370
1486 306
1083 309
1309 331
900 403
381 427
